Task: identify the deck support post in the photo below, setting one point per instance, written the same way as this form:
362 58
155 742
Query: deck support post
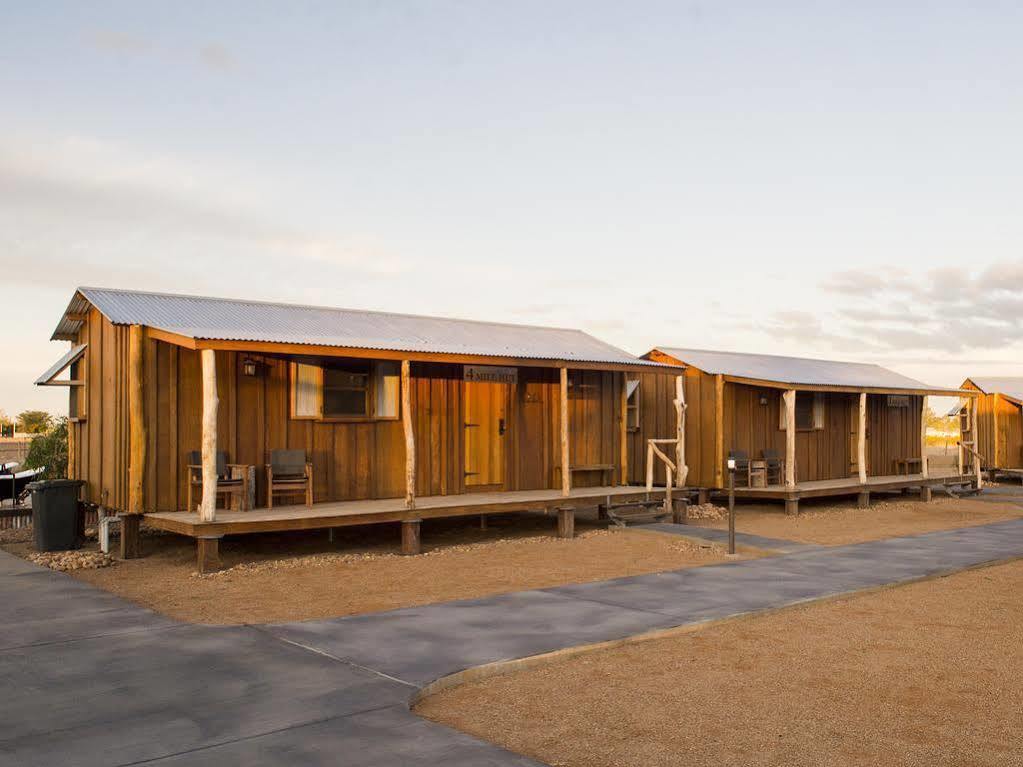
925 493
208 504
703 496
923 438
566 523
410 544
682 471
861 439
207 550
789 398
863 499
131 540
136 420
566 468
410 437
680 512
792 506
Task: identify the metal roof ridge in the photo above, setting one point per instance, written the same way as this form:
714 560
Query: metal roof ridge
773 356
284 305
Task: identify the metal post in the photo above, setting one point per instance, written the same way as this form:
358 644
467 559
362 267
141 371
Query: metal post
731 507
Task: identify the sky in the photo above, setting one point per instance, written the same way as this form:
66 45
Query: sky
828 179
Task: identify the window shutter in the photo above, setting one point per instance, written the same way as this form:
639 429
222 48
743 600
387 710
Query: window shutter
387 384
306 391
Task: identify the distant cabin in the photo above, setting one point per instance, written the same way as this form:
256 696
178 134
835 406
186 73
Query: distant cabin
999 422
823 425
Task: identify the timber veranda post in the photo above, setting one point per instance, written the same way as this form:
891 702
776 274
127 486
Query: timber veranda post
861 439
681 470
210 404
410 527
790 437
137 438
923 437
566 470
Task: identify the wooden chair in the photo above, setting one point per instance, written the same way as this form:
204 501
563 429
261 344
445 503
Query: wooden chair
775 466
742 465
288 473
229 483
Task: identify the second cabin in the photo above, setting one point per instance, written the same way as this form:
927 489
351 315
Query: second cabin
996 430
794 427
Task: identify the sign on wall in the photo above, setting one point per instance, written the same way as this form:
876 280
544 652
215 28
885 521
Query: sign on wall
489 374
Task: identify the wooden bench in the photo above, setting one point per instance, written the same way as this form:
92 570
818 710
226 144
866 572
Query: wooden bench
606 471
904 465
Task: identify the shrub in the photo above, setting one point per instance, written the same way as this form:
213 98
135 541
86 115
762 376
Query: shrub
49 449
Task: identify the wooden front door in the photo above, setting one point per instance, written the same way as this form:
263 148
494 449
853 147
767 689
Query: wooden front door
486 407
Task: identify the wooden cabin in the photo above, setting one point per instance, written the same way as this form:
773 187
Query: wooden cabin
998 427
799 427
400 417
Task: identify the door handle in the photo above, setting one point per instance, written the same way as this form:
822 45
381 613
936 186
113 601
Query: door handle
500 426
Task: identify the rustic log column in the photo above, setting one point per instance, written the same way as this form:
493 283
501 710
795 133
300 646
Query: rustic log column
861 439
994 463
208 504
974 408
623 432
566 468
719 431
923 437
789 397
682 471
410 437
137 436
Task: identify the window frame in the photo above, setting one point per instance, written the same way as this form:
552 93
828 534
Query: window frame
817 418
375 370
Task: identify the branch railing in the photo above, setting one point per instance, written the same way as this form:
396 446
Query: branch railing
652 451
978 459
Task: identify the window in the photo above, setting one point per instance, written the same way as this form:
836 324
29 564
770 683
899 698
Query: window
345 393
632 405
809 411
346 390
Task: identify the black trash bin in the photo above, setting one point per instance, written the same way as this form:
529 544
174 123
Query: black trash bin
55 515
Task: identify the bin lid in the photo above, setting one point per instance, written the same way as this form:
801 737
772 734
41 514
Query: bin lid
54 484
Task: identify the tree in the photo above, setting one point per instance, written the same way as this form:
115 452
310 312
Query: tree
50 450
34 421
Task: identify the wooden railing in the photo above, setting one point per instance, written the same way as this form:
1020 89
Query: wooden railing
653 450
978 460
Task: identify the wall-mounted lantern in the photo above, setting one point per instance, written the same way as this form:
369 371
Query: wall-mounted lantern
249 366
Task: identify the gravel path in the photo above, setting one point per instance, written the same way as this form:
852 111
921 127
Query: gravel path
93 680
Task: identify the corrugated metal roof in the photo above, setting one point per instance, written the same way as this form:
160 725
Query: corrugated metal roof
796 370
1010 386
239 320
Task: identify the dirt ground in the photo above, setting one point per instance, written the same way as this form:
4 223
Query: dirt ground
833 524
927 674
301 576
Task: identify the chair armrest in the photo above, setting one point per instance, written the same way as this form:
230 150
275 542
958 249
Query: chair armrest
239 465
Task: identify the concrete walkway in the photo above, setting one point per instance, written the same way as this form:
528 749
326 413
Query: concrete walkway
92 680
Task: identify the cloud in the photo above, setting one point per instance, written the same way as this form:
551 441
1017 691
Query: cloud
216 57
86 211
946 309
115 41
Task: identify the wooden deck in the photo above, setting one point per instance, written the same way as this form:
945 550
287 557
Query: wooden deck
851 486
343 513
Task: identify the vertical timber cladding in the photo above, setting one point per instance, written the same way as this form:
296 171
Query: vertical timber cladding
356 460
753 418
656 419
893 431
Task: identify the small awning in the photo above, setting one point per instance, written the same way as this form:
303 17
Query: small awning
630 387
58 367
